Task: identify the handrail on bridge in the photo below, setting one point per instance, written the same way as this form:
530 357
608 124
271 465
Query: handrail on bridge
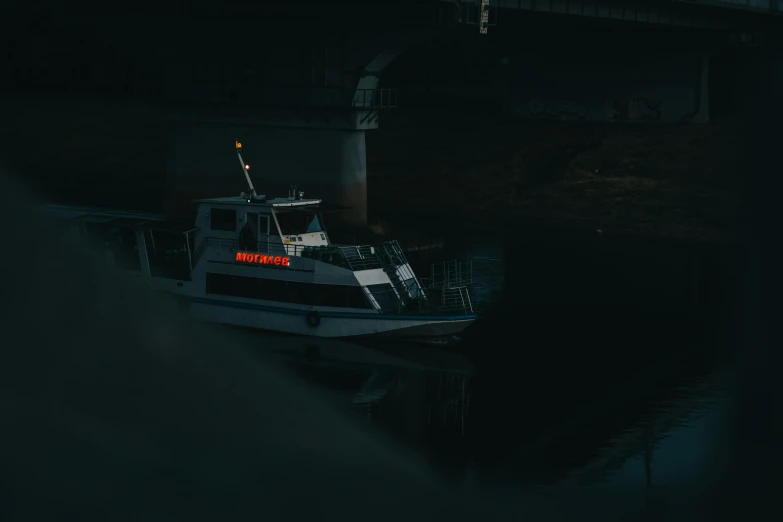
758 6
326 97
386 98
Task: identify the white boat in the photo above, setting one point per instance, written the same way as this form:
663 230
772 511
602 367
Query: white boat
268 264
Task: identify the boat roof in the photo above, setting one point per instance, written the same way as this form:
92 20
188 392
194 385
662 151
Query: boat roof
173 225
314 206
133 219
261 201
99 215
118 218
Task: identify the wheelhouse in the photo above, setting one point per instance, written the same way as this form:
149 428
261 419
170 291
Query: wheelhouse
282 225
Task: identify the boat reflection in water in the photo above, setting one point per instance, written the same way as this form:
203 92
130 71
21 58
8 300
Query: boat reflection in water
614 396
433 402
420 395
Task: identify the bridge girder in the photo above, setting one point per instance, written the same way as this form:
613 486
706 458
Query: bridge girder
696 14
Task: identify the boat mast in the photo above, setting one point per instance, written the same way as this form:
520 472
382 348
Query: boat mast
245 169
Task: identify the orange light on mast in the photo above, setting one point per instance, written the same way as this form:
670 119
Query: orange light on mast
239 145
261 259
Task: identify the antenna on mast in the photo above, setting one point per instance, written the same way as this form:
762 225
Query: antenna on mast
245 169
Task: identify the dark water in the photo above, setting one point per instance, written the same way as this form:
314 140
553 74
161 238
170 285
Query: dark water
115 408
599 361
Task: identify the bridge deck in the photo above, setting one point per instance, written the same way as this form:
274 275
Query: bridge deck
705 14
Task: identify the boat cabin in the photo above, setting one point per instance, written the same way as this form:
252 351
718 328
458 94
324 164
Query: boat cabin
285 225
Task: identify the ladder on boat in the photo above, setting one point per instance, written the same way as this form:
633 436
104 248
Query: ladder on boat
457 298
396 265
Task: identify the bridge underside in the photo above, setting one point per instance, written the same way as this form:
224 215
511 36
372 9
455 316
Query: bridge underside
703 14
317 70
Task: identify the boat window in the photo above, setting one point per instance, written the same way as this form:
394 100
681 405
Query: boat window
315 225
223 219
287 291
296 223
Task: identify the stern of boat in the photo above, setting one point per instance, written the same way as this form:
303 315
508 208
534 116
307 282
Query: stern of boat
436 308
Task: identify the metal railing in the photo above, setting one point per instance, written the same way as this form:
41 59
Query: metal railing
433 302
360 257
198 253
456 299
451 274
329 97
375 98
760 6
318 97
354 258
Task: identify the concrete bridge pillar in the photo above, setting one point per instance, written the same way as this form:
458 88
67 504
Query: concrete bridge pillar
301 113
703 91
322 152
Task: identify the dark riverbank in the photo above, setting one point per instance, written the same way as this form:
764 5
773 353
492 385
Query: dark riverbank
673 181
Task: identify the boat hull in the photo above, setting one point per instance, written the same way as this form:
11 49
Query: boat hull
331 324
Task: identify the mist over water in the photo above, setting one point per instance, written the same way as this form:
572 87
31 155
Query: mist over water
115 407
